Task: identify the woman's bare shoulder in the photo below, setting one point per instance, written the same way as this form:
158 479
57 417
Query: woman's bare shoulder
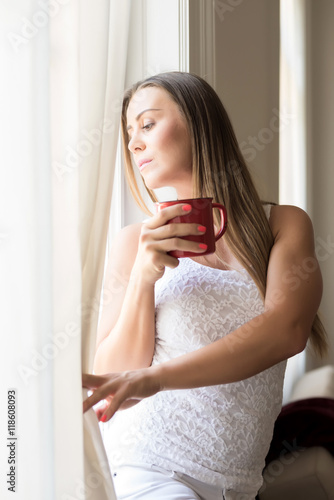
289 218
129 233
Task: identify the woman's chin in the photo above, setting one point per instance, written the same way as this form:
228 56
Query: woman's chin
153 184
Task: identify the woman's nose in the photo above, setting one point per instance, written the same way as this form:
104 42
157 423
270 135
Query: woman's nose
136 144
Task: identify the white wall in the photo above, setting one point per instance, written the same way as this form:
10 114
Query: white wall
322 147
247 81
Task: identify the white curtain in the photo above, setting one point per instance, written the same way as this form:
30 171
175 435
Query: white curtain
60 105
26 357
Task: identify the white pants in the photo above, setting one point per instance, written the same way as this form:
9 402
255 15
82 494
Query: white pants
155 483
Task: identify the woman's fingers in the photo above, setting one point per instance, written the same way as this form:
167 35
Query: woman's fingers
168 213
101 410
120 390
173 236
180 244
173 239
159 236
92 400
177 229
119 401
111 388
92 381
102 387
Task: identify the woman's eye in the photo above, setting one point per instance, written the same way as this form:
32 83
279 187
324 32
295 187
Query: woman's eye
148 126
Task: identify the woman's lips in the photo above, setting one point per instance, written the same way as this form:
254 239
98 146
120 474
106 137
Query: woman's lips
142 164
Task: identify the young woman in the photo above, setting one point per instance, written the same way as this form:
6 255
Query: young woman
220 327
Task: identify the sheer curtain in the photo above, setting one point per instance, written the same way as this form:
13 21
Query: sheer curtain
27 351
65 69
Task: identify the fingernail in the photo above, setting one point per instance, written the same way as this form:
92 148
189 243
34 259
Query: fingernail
186 208
203 246
103 418
201 228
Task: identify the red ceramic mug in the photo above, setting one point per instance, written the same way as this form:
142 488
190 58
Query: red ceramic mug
201 214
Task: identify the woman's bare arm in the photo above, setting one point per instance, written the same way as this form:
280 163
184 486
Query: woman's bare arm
126 332
126 335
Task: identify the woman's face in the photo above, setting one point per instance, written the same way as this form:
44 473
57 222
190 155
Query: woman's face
160 141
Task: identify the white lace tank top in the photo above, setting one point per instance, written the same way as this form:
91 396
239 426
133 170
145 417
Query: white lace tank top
219 434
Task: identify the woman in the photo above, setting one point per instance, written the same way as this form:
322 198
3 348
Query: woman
219 326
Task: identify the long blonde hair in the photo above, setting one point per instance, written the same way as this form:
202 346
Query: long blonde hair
220 172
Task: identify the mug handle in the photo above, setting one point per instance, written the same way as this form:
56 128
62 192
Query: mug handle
223 216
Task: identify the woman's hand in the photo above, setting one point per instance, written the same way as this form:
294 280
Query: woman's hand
126 335
157 238
119 390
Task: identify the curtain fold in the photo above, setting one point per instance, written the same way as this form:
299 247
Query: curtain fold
100 127
60 108
87 83
97 172
67 280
